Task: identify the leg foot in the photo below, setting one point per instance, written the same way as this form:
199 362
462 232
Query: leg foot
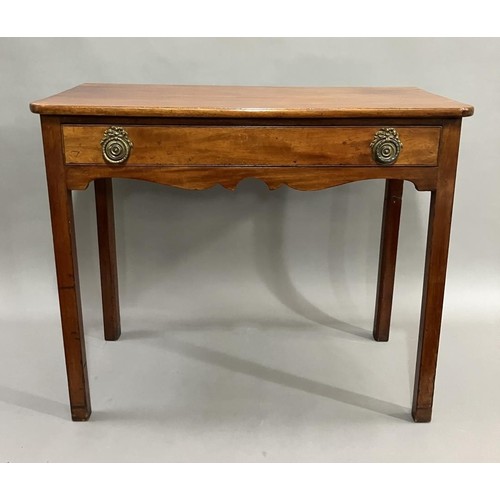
80 414
422 415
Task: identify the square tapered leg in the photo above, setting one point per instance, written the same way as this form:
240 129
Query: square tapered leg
387 260
438 238
63 231
107 258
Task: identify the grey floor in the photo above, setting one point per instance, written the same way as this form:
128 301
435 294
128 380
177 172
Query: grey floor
246 383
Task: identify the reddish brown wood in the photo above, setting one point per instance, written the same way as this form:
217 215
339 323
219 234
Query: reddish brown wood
438 238
387 261
102 99
304 138
301 178
250 146
63 231
107 258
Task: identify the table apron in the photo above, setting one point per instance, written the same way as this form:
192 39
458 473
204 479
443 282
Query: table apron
300 178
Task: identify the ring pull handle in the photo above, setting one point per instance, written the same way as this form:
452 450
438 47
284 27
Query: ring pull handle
116 145
386 146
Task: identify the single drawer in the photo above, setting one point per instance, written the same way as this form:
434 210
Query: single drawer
247 145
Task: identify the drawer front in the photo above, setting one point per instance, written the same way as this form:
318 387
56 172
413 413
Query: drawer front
250 146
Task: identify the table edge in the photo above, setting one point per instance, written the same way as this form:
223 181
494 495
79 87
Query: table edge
154 112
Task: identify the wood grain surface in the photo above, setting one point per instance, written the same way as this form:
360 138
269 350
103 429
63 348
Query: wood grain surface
438 239
300 178
107 258
101 99
266 146
199 137
68 284
391 217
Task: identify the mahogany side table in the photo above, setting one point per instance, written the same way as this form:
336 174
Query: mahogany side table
195 137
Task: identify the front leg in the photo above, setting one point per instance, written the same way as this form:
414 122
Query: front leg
63 231
435 274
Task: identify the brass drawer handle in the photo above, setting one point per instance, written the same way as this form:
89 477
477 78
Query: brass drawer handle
116 145
386 146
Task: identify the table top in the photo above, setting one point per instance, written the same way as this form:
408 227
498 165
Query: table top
103 99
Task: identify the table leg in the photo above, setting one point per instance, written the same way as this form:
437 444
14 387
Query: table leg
438 238
63 231
387 259
107 258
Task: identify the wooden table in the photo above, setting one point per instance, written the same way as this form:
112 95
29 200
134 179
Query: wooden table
195 137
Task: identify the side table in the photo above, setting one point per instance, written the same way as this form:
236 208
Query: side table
195 137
